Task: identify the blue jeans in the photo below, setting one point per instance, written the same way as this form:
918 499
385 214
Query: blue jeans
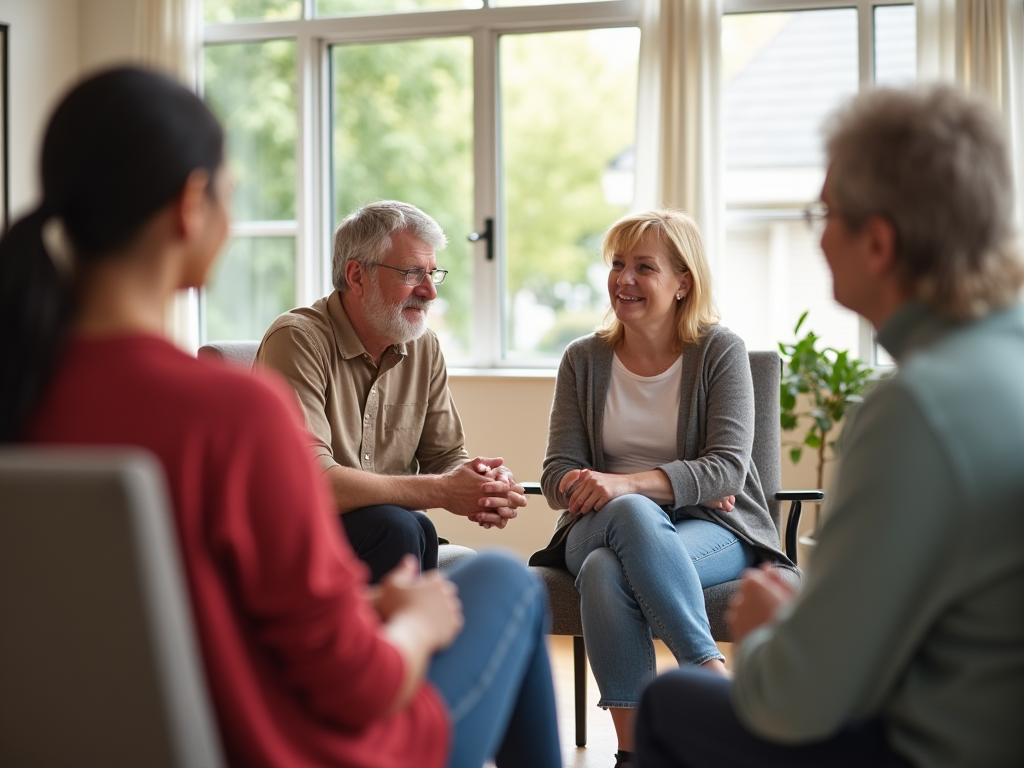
496 677
686 719
639 571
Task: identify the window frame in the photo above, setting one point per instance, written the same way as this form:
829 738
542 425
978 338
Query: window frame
313 200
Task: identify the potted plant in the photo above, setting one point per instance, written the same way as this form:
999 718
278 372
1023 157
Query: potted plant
818 387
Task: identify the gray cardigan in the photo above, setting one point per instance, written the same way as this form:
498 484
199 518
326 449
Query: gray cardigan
716 432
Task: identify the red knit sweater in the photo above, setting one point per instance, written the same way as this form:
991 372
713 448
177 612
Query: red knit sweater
299 672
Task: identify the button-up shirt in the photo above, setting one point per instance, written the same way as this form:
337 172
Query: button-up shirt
395 418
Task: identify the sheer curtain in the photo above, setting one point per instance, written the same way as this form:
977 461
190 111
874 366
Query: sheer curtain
679 155
979 44
168 38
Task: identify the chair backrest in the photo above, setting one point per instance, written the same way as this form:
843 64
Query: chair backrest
766 370
240 353
98 663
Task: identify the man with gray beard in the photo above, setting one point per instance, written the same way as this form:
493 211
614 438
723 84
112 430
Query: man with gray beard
373 387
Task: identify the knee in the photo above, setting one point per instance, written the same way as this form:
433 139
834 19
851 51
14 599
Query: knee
393 526
601 569
407 527
429 531
636 515
500 574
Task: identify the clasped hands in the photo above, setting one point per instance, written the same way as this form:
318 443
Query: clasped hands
428 602
484 491
586 490
762 592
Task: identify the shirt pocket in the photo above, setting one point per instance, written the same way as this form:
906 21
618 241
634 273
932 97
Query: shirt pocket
405 417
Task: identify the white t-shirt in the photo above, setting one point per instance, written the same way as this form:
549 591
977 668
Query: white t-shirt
641 419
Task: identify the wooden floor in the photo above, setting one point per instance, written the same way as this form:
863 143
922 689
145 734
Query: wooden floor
601 743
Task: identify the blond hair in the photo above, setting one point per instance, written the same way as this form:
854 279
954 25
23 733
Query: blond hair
680 236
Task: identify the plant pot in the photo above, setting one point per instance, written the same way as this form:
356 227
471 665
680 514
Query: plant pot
805 552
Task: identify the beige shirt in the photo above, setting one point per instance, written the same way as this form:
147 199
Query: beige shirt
395 419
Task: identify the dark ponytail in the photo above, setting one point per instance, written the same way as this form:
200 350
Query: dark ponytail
118 149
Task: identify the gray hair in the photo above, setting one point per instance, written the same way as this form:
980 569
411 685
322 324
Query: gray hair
935 163
365 234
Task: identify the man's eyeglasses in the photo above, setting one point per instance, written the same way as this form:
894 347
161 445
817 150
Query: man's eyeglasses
415 276
816 216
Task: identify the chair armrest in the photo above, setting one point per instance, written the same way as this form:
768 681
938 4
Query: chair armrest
533 488
800 495
796 499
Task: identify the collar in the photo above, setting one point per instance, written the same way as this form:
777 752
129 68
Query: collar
912 326
345 336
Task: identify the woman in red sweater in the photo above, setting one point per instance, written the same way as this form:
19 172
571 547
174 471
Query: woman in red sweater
306 665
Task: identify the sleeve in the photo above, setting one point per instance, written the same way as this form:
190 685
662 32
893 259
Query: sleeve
885 555
568 438
728 428
302 362
442 443
296 579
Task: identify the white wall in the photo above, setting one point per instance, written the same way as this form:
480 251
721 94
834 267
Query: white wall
52 43
107 33
43 62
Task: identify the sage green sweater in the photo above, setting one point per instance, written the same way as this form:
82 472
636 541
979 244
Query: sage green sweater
913 607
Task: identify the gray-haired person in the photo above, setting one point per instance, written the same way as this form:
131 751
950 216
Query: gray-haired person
905 644
373 388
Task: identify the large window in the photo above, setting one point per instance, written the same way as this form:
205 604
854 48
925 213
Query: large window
784 72
521 116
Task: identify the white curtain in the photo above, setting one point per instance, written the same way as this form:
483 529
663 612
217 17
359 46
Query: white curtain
169 38
679 154
979 44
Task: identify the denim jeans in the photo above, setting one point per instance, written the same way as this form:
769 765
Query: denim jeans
639 572
496 677
383 534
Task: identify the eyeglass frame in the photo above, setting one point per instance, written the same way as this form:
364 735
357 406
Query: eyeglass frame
437 276
816 216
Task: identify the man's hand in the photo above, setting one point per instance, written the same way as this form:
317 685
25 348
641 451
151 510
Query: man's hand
511 497
587 490
483 491
760 595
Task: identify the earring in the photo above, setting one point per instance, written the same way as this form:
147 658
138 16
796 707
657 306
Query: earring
679 297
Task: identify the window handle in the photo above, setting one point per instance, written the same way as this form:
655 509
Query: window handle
488 235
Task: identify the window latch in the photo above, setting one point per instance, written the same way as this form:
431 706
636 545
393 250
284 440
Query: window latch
488 235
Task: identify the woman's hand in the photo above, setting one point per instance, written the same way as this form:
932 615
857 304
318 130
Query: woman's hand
726 505
587 490
427 602
422 614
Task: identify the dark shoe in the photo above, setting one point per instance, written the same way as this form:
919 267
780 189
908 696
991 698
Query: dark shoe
623 759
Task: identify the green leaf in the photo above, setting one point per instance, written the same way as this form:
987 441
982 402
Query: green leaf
788 421
812 440
795 454
800 322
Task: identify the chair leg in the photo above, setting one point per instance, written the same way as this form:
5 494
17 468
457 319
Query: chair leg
579 654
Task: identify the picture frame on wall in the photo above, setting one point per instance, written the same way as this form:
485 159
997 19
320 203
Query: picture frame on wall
5 171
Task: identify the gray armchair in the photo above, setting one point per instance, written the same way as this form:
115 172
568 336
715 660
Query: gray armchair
98 661
243 355
564 599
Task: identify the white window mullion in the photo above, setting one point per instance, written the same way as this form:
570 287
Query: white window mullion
866 76
488 307
309 256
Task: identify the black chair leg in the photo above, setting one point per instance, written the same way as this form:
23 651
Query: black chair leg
579 655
